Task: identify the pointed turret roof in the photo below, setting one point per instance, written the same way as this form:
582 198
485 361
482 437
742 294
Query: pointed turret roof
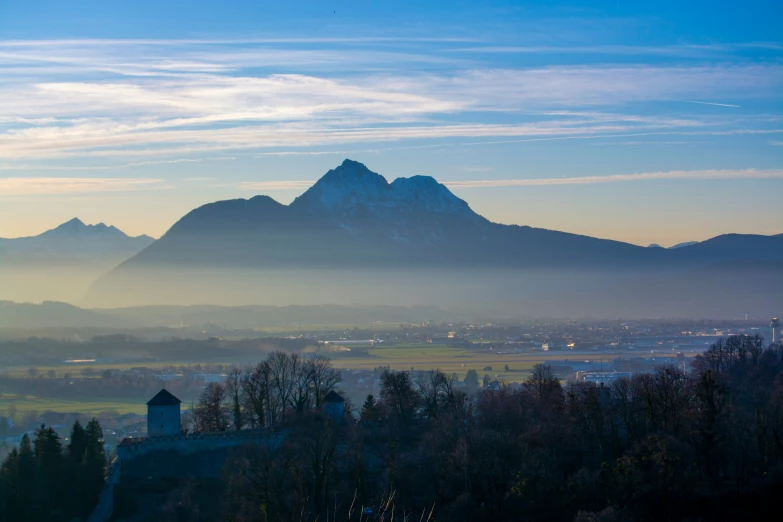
333 396
163 398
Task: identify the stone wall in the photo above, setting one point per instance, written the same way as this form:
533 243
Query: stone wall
173 456
190 443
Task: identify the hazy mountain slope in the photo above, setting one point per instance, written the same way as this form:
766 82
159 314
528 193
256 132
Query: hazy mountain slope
63 262
73 241
352 216
50 314
685 244
722 290
355 238
239 317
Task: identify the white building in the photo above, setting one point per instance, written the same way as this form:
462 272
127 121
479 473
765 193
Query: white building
163 415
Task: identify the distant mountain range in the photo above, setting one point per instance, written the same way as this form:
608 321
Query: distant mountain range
73 241
678 245
51 314
354 217
61 263
354 237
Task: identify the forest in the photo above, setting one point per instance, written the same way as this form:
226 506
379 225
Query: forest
46 480
668 445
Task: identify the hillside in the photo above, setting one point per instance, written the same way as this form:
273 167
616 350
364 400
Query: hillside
61 263
353 237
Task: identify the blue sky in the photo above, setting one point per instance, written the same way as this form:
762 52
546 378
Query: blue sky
643 122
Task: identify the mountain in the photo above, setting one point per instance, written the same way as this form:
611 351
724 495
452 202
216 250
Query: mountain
62 262
686 244
354 217
75 241
50 314
353 237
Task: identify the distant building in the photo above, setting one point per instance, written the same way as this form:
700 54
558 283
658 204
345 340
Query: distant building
163 415
602 377
334 405
167 376
210 377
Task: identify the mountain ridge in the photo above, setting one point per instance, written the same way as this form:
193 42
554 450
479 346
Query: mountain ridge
356 236
61 263
76 227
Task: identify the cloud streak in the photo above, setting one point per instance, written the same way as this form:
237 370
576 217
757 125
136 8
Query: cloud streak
107 98
715 104
279 185
65 186
621 178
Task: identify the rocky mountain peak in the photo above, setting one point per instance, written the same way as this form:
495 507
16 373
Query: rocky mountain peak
344 187
352 185
77 228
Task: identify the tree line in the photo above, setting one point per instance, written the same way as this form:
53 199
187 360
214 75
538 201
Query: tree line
263 395
44 480
667 445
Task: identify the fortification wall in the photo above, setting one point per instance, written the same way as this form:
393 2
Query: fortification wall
174 456
191 443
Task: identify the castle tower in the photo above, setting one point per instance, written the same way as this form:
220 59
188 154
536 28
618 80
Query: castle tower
334 405
775 325
163 415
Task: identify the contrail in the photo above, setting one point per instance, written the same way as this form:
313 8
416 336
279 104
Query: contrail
711 103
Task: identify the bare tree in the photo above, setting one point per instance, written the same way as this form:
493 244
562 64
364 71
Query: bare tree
428 384
544 387
211 414
281 370
323 378
398 395
300 391
234 393
255 390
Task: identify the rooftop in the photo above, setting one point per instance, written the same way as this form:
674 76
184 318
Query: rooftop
333 396
163 398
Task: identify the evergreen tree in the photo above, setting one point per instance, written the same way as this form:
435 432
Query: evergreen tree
48 457
26 480
76 503
94 463
78 442
369 409
10 507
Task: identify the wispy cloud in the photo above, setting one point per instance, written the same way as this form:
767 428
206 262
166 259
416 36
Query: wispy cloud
279 185
48 186
634 50
712 103
618 178
275 185
167 99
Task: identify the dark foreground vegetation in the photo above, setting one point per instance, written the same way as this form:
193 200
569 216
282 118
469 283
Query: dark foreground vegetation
662 446
706 445
44 480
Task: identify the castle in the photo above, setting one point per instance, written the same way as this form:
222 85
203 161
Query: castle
166 451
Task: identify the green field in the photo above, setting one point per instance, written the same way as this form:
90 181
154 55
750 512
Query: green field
422 356
445 358
41 405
